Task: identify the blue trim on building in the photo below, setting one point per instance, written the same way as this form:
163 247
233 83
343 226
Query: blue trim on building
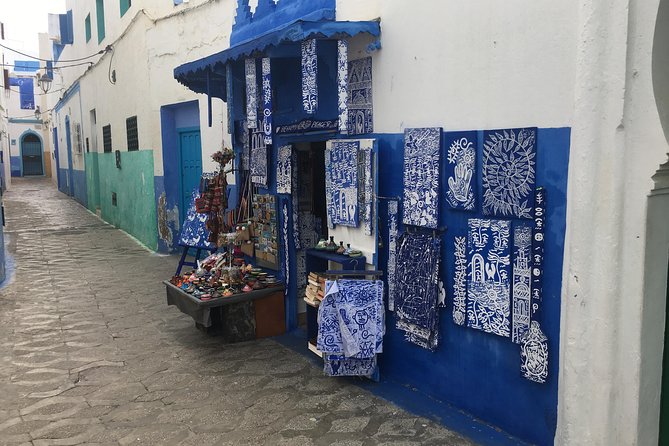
80 186
74 89
29 66
15 165
25 121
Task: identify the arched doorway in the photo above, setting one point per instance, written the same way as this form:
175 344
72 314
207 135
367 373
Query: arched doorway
31 155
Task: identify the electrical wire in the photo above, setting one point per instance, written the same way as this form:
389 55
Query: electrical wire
109 73
36 94
54 68
57 61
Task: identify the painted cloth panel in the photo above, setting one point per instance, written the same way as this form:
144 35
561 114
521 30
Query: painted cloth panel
295 201
520 297
229 93
366 189
194 231
416 290
341 183
460 280
509 164
286 250
488 281
461 170
258 157
267 99
337 365
538 250
422 148
360 103
534 354
251 93
284 170
393 210
309 76
342 85
245 135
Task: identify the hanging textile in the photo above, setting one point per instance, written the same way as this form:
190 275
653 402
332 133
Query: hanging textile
341 183
295 196
284 170
26 91
488 284
286 250
342 84
461 170
194 231
229 97
520 296
538 249
416 288
460 280
366 189
258 157
422 149
393 210
360 103
251 93
267 99
351 326
534 354
309 76
509 160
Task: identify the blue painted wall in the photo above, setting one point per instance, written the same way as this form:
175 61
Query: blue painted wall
15 165
80 187
64 181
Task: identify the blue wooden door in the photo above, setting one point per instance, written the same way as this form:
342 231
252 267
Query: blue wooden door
56 155
70 167
31 155
190 157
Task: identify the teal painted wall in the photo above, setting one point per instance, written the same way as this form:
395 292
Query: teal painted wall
135 211
93 180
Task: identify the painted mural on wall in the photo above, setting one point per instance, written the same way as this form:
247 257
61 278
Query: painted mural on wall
509 160
251 93
267 100
284 170
460 280
341 183
538 249
461 170
422 149
393 211
194 232
342 85
520 299
360 103
309 76
534 354
488 281
258 162
416 288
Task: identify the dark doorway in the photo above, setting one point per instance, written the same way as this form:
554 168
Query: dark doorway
31 155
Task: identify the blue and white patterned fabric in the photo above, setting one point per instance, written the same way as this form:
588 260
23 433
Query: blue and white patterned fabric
416 288
258 157
393 210
245 135
366 189
229 93
194 232
342 85
538 249
309 76
351 326
534 354
520 297
267 99
360 103
461 170
251 93
341 183
284 170
509 164
422 149
489 278
460 280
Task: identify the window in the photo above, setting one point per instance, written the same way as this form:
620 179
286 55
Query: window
106 138
100 12
88 28
125 5
131 132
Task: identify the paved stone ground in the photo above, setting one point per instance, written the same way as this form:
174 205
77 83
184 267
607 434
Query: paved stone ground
91 354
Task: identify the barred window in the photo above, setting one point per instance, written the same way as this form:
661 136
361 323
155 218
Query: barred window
107 138
131 132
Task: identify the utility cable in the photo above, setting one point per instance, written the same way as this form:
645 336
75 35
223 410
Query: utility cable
57 61
54 68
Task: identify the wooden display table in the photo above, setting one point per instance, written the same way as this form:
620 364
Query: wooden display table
241 317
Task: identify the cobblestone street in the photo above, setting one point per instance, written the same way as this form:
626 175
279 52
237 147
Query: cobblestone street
91 354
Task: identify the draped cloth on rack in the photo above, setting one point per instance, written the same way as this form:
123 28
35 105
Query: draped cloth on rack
351 326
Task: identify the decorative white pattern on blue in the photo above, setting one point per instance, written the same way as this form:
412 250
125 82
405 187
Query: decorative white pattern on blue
520 298
194 232
393 210
286 251
508 172
342 84
488 284
422 148
366 189
360 103
229 93
267 99
309 76
341 183
258 157
251 93
461 169
534 354
538 249
460 280
246 146
284 170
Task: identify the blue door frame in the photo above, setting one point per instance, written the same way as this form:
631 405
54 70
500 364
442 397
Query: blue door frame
31 150
190 160
56 157
70 167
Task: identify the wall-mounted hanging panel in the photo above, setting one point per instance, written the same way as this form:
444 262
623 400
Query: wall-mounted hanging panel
460 280
393 211
341 182
309 76
538 249
251 93
342 85
284 170
520 298
360 103
488 282
422 147
366 189
267 99
534 354
258 157
461 170
509 164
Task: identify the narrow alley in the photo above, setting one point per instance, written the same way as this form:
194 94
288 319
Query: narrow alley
90 353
